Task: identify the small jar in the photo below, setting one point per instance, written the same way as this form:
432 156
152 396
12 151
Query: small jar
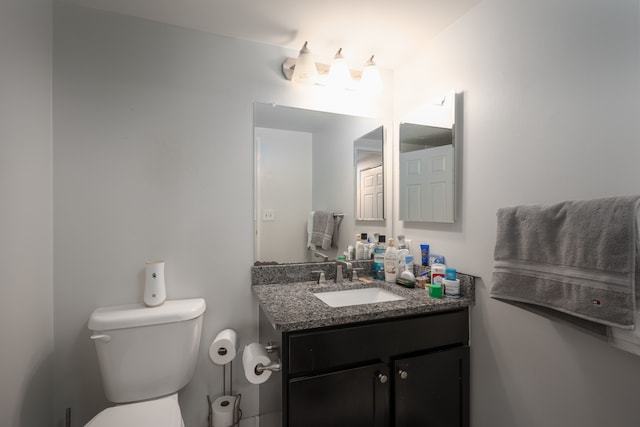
421 282
435 290
451 288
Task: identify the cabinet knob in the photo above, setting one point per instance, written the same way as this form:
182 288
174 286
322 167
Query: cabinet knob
382 378
403 374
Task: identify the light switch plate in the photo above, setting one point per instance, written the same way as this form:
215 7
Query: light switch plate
268 215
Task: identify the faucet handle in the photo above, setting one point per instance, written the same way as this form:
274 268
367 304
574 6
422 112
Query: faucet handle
321 279
354 275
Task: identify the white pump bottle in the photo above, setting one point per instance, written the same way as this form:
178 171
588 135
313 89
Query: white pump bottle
391 262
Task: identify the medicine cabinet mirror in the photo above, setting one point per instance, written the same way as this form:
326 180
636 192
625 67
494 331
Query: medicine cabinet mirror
427 163
304 161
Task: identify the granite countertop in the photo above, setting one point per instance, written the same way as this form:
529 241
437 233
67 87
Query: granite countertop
293 307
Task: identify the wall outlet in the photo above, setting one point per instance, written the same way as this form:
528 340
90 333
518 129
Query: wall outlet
268 215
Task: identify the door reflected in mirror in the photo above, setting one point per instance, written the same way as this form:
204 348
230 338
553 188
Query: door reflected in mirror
369 175
427 164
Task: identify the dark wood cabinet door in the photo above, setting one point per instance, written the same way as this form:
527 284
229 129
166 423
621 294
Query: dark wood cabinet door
357 397
432 390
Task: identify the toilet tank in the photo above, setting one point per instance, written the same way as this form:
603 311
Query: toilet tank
147 352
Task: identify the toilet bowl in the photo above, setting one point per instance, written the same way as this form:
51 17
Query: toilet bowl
146 355
163 412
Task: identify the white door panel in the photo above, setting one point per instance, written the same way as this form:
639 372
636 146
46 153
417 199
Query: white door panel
427 184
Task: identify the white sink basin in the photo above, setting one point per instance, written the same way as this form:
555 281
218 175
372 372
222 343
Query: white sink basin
357 297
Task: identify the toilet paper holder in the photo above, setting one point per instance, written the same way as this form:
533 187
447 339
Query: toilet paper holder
273 366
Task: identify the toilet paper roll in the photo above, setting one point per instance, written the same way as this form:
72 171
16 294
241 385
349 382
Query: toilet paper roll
222 410
224 347
254 354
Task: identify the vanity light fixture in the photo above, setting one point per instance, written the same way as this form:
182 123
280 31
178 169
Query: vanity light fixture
303 69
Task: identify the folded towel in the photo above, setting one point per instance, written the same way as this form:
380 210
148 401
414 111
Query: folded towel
322 229
575 257
625 339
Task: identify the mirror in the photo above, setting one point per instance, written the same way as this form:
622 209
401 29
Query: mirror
369 175
427 159
304 162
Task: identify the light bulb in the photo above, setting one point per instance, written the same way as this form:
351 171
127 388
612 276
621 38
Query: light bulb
371 81
305 70
339 74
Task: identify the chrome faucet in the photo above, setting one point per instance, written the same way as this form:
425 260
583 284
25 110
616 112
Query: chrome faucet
339 274
319 254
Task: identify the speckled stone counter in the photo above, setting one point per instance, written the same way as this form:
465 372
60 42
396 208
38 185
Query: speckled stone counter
303 272
291 306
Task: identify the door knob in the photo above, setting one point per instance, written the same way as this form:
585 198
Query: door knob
382 378
403 374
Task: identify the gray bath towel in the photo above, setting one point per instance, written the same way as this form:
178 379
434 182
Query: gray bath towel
575 257
322 229
337 220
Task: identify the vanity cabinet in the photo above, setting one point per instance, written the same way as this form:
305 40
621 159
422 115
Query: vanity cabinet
354 397
432 389
401 372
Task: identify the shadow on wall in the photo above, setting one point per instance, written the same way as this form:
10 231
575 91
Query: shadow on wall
87 384
484 363
38 389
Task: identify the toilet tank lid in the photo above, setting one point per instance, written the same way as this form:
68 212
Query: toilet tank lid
134 315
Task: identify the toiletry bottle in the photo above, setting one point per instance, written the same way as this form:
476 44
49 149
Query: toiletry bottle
408 263
361 246
424 251
450 273
437 273
401 242
391 262
378 258
451 283
402 253
373 242
351 253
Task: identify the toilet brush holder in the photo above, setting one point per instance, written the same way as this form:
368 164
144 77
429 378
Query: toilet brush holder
154 289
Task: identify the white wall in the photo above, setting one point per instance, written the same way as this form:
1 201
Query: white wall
153 159
334 178
551 101
284 186
26 259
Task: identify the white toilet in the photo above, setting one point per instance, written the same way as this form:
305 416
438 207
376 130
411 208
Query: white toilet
146 355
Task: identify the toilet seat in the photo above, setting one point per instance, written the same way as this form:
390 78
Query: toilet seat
163 412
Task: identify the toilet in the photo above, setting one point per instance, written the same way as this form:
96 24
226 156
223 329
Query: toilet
146 354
